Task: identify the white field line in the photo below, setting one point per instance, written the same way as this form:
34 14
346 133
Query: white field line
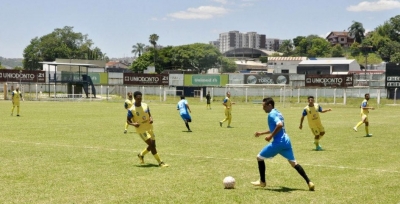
204 157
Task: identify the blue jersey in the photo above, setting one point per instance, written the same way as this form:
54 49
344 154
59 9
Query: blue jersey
275 117
182 107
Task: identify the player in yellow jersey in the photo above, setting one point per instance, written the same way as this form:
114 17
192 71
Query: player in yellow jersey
140 117
128 104
312 111
15 98
364 115
228 109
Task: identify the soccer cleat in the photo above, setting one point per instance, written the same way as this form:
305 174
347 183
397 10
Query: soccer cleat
355 129
220 124
162 164
259 183
125 131
189 130
228 126
311 186
18 115
318 148
368 135
141 158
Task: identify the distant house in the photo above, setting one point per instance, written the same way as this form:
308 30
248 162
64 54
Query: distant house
340 37
116 64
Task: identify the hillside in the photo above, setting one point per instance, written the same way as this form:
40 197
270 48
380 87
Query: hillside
10 63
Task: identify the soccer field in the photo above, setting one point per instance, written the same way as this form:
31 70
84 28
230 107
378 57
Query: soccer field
76 152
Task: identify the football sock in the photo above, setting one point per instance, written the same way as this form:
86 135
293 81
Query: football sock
126 125
187 125
358 124
145 151
157 157
301 171
12 109
17 110
261 169
366 130
316 142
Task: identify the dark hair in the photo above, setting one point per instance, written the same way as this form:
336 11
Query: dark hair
310 97
365 95
269 101
182 97
136 93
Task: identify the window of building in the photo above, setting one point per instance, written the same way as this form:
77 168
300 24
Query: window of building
285 71
281 63
341 39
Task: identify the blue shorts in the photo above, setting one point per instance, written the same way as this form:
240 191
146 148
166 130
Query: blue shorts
186 117
272 149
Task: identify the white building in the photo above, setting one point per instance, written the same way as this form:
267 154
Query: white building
235 39
284 64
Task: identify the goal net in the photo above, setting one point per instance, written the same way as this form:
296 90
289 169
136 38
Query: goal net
172 94
256 92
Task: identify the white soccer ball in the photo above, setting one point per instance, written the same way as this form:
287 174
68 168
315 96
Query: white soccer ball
229 182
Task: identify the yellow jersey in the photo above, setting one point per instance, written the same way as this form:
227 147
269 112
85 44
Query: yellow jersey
312 114
364 104
16 96
228 103
140 115
128 103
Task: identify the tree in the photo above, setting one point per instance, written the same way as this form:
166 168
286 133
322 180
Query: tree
297 40
228 65
356 30
395 58
61 43
138 49
337 51
263 59
286 48
394 32
153 40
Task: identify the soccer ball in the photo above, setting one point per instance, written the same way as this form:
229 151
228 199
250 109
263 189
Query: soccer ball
229 182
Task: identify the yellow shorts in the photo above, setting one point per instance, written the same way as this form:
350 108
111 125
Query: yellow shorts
364 117
317 129
16 103
147 135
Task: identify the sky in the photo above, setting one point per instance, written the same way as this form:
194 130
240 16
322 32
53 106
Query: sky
116 25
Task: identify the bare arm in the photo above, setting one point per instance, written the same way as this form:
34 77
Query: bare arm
277 129
187 105
301 122
324 111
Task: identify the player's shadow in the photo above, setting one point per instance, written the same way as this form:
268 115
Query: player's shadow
283 189
147 165
186 131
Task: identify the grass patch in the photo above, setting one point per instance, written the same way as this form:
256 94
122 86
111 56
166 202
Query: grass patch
76 152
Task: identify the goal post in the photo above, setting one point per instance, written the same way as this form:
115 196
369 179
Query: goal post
264 90
172 92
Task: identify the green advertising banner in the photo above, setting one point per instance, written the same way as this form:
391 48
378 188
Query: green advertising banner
97 78
205 80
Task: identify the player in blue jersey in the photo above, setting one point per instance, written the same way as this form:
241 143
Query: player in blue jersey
183 108
280 144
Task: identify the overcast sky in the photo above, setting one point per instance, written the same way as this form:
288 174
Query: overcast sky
114 26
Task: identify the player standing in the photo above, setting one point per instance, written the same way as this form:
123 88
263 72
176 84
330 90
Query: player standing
128 104
15 99
183 108
312 111
208 97
364 115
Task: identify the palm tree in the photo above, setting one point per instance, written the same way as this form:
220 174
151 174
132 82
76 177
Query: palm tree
286 48
138 49
153 40
356 30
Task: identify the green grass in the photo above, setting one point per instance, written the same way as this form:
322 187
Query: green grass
76 152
